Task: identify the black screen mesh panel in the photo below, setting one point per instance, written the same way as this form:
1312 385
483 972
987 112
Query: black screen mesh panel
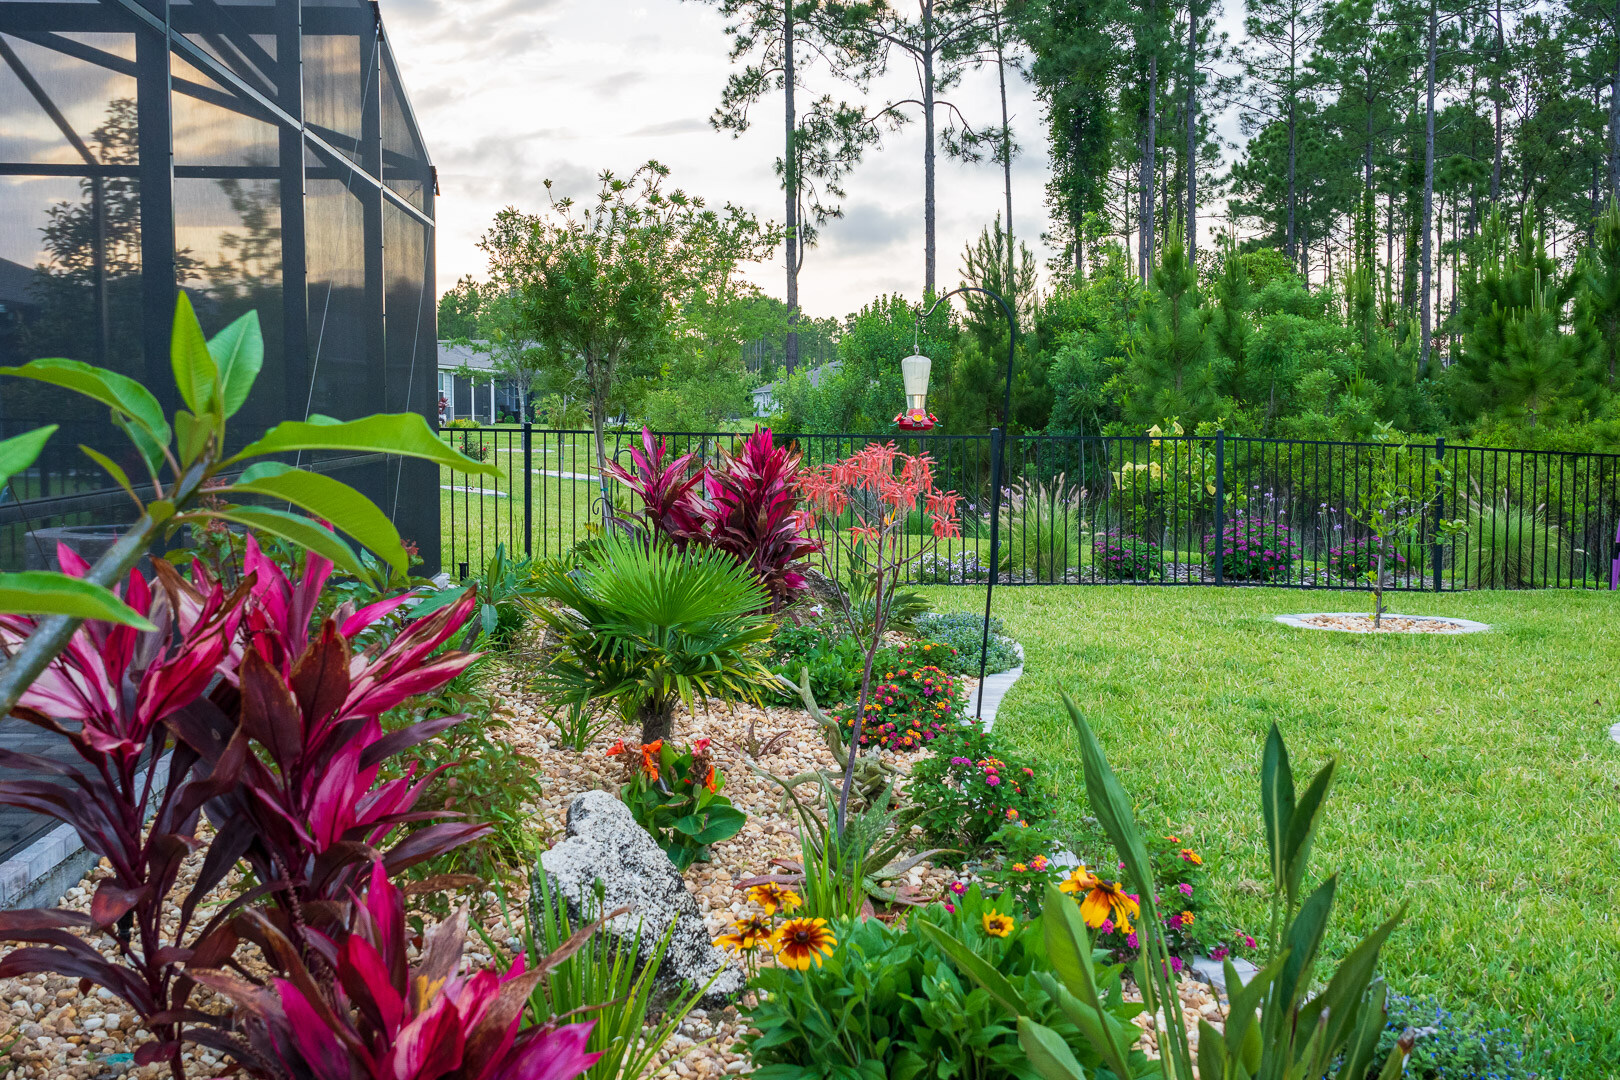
260 155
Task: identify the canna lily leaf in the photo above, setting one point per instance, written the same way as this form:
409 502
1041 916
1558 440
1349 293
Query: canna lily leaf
1048 1052
46 592
331 500
976 967
20 451
406 434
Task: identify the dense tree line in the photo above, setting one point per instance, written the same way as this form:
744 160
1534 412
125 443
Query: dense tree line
1417 233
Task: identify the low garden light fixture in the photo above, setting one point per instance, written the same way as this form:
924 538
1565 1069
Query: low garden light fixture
914 371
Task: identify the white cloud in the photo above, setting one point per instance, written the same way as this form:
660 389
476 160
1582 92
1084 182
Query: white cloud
510 92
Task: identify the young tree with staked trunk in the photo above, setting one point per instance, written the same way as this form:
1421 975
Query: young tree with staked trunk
598 285
779 43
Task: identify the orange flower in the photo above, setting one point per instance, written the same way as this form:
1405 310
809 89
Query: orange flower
1186 918
799 941
748 935
708 781
1109 898
997 925
773 898
1079 880
616 749
1192 856
649 758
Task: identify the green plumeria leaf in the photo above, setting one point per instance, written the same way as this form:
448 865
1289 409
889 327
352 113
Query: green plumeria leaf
406 434
332 500
21 451
113 469
47 592
194 370
123 395
238 352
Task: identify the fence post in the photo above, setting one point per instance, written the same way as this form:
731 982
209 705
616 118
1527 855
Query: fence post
528 489
1439 511
1220 507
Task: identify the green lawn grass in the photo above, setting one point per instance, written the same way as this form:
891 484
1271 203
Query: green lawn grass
1477 781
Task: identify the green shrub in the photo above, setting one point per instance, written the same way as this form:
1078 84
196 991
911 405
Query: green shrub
968 787
890 1003
964 632
834 660
644 627
675 795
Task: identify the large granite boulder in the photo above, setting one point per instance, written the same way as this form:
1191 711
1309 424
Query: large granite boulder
604 844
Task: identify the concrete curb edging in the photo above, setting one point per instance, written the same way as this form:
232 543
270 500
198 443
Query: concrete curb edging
994 688
40 873
1459 625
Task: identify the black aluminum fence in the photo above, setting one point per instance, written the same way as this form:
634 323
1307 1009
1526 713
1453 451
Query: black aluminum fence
1100 510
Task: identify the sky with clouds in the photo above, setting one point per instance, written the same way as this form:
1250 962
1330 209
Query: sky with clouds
512 92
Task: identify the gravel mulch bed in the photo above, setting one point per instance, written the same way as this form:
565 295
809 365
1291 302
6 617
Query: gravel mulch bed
1389 624
49 1029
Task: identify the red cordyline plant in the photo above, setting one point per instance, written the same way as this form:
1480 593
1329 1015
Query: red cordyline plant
284 753
751 511
121 688
670 492
754 514
881 486
372 1015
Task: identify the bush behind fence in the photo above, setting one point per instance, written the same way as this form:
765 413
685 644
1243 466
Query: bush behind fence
1098 510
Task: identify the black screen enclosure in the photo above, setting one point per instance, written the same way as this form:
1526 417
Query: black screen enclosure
259 154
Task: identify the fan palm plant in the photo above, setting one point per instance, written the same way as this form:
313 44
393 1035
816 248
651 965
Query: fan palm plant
644 627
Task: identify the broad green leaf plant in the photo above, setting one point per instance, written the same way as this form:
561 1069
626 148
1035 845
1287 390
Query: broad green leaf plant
1283 1024
185 460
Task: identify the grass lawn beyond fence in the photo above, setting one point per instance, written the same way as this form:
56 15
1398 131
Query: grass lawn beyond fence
1477 781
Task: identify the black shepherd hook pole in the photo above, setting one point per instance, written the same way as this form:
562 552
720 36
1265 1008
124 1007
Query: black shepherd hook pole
997 452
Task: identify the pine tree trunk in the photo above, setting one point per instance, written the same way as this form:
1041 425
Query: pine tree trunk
1192 129
790 180
1427 269
928 147
1496 98
1149 166
1006 146
1293 150
1614 117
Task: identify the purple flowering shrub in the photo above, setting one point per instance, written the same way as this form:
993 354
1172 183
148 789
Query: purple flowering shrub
1126 558
1253 549
968 787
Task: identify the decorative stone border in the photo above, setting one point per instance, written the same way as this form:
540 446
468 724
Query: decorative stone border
1456 625
40 873
994 688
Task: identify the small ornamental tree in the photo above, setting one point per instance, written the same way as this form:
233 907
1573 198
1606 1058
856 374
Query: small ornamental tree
1399 495
881 486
